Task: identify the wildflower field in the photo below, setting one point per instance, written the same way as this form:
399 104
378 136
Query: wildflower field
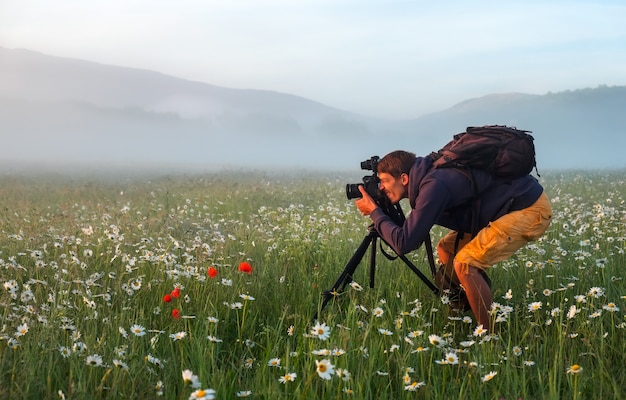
205 286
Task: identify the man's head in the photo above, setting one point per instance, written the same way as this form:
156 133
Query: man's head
393 171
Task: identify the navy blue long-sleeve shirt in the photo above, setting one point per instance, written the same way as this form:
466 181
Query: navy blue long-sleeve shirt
447 197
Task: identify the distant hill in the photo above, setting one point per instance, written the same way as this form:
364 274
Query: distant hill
573 129
59 108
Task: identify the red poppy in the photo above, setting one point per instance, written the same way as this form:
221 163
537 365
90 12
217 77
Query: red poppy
245 267
176 293
176 313
167 298
212 272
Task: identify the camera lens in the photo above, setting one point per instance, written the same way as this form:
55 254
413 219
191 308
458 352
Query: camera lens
352 191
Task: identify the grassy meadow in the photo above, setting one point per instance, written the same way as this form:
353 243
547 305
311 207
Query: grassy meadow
204 286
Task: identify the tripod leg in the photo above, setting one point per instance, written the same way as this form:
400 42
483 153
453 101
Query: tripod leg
346 276
373 262
429 253
421 275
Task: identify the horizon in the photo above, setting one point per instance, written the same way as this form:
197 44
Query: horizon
394 60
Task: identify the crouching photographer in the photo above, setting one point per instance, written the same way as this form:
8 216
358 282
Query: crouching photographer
489 219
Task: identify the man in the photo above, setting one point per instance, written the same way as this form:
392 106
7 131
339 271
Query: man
508 215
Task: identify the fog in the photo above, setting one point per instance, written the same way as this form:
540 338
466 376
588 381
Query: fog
93 117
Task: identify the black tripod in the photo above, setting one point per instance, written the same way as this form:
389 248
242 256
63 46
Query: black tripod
370 241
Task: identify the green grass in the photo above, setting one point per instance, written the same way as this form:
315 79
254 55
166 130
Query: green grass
82 260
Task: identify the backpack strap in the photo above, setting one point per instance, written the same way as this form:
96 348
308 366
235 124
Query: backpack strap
474 208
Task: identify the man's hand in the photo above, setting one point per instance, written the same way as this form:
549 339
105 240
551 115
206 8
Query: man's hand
365 204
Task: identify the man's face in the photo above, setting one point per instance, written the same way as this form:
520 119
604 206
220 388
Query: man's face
394 188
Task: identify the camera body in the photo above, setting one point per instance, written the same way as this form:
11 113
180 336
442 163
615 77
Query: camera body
371 183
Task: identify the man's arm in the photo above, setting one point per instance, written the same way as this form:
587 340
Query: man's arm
433 199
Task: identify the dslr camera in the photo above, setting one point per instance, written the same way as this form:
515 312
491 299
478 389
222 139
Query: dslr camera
371 183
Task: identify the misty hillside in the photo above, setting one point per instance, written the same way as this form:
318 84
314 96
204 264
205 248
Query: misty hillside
55 108
573 129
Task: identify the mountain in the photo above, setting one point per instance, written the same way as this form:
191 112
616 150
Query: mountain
55 108
52 107
584 128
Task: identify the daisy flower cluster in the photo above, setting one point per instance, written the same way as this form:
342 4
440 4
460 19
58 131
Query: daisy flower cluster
117 290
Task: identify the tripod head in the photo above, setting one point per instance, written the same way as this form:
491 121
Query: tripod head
394 211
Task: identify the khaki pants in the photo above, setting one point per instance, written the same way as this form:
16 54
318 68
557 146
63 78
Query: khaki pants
502 237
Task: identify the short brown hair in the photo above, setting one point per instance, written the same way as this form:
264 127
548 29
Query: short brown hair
396 163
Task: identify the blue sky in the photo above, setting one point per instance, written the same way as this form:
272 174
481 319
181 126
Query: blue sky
386 58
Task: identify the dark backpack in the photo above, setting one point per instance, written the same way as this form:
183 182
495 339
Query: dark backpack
505 152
